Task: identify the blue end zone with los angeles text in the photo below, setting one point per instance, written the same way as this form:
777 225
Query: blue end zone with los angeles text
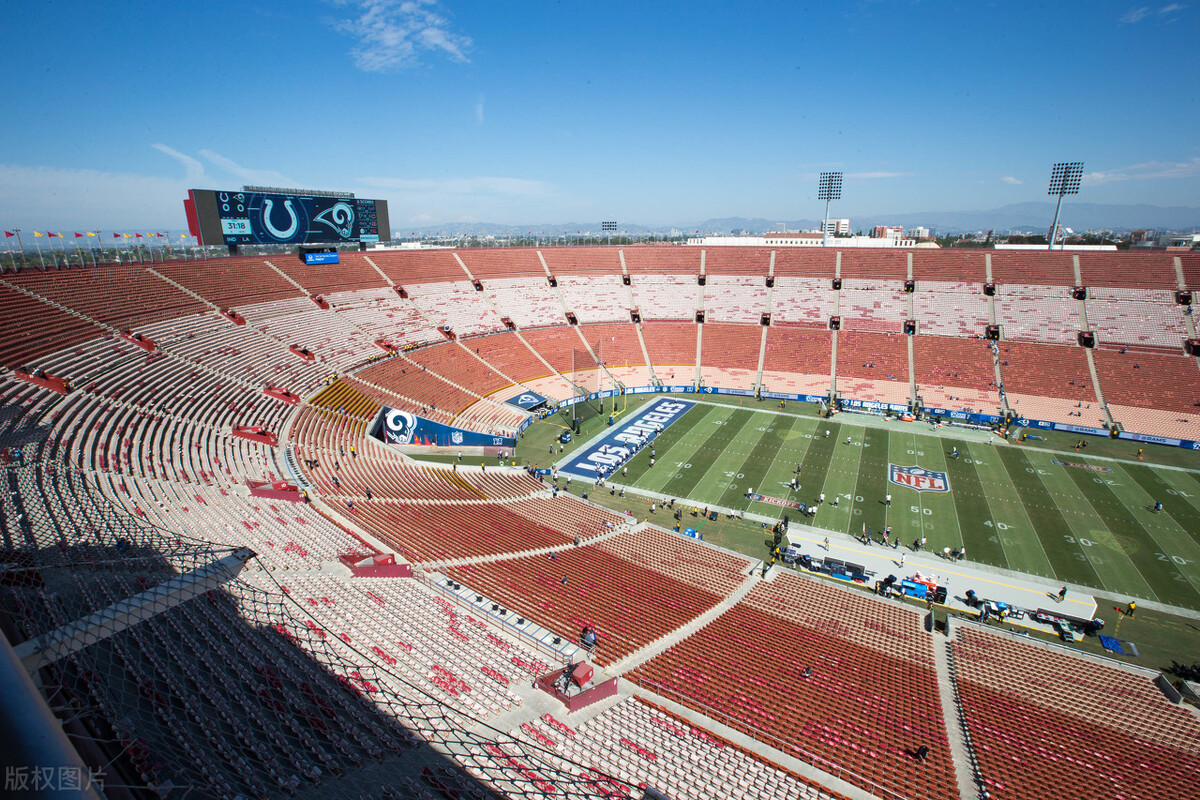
618 445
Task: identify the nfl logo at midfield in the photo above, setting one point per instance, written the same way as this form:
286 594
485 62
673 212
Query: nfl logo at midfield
923 480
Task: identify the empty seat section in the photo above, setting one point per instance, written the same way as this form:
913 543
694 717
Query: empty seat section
457 365
1146 318
949 266
595 261
432 532
874 264
672 259
737 261
352 271
1039 718
499 263
563 348
667 297
596 298
229 282
506 352
731 347
1037 313
34 329
1032 267
528 302
873 305
683 559
384 315
627 604
802 300
455 304
735 298
1129 269
124 296
950 309
797 360
418 266
672 347
1147 380
873 366
956 373
745 667
807 262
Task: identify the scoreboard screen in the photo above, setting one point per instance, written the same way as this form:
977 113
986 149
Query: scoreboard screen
252 217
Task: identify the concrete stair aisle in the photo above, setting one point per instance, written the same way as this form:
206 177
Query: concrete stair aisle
912 361
656 647
382 274
1087 351
699 341
960 754
183 288
645 353
762 351
288 278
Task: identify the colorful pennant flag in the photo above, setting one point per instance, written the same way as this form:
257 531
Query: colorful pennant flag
78 235
93 233
38 235
9 233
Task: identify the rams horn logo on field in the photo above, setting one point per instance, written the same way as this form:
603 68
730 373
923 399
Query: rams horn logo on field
923 480
527 398
401 426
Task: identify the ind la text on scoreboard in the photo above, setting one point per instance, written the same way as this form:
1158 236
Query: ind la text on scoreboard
255 215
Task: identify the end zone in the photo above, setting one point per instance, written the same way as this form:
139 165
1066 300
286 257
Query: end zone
617 445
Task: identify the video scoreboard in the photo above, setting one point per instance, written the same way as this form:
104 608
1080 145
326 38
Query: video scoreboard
285 216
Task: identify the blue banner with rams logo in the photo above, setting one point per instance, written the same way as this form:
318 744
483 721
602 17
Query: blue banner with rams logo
401 427
923 480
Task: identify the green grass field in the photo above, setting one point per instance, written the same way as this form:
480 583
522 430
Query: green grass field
1010 505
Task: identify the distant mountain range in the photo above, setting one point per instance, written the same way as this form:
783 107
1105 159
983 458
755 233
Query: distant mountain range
1016 217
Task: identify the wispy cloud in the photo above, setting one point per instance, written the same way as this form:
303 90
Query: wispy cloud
1011 181
193 169
1136 15
1148 170
393 34
479 111
257 177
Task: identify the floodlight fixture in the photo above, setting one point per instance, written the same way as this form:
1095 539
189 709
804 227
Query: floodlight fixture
829 187
608 226
1065 177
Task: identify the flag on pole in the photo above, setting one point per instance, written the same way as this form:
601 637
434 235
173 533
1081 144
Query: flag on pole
136 235
37 235
78 235
9 233
93 233
125 236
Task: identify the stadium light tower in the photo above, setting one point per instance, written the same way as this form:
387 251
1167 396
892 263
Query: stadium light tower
1064 179
829 187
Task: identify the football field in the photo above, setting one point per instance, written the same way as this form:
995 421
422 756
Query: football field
1086 521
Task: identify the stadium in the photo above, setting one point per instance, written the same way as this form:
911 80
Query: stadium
309 523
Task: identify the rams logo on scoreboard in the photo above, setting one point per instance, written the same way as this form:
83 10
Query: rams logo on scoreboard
923 480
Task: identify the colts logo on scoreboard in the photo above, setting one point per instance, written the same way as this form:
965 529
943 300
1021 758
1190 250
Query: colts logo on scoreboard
923 480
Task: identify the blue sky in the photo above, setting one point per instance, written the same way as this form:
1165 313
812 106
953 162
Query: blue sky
650 112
